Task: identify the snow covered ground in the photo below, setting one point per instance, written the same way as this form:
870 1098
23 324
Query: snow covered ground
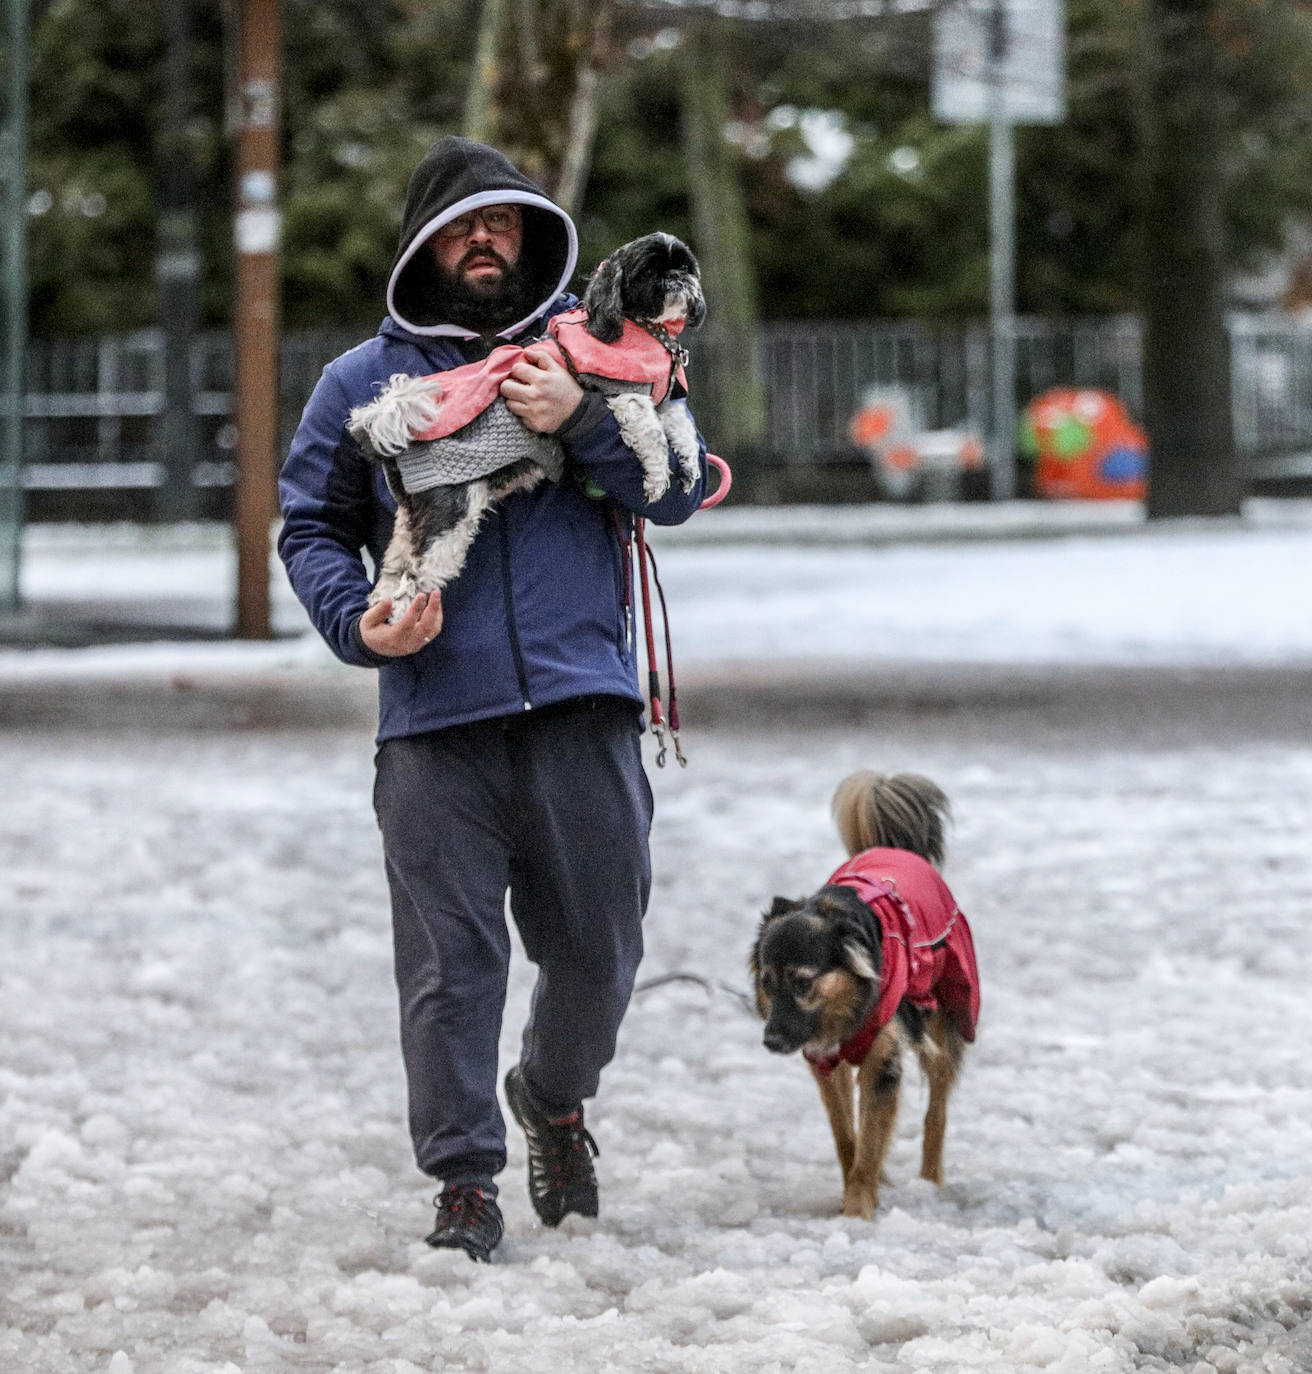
203 1165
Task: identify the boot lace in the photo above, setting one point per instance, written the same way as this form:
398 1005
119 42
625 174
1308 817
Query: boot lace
566 1152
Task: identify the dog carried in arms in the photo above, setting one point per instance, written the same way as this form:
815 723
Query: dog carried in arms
450 449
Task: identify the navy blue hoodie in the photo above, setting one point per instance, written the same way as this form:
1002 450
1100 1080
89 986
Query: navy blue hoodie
538 613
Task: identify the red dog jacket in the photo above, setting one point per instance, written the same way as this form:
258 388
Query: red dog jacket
928 953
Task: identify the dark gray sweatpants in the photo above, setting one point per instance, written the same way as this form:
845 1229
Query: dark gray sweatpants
554 807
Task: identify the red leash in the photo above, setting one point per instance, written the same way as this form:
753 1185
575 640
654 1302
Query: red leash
653 674
647 558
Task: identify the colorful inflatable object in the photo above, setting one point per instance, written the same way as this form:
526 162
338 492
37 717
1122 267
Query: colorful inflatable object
909 461
1084 446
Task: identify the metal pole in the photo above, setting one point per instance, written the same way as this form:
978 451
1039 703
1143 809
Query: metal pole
257 231
1002 264
13 169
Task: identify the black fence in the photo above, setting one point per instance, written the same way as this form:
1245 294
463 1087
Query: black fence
92 436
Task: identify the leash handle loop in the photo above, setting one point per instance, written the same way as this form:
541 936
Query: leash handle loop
726 481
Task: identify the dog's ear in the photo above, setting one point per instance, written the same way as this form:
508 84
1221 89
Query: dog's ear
862 960
781 906
754 974
604 302
862 940
857 936
834 904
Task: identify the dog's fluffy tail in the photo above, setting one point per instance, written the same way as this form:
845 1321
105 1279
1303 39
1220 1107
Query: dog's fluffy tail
893 811
406 407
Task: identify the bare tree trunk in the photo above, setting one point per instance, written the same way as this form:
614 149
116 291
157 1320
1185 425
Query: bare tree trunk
1194 468
533 90
580 132
485 77
735 417
177 269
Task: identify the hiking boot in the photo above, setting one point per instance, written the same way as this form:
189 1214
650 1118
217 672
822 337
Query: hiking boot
560 1153
468 1220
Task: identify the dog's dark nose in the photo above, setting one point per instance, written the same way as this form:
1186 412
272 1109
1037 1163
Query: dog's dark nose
776 1043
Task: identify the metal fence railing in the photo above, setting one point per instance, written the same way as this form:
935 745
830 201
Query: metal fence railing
816 374
1271 364
92 405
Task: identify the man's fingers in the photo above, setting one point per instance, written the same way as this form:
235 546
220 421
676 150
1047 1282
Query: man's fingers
413 611
422 620
531 367
431 622
376 614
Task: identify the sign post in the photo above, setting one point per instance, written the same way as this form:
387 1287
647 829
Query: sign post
13 293
1000 62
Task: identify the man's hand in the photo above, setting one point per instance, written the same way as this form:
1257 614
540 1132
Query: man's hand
540 392
421 623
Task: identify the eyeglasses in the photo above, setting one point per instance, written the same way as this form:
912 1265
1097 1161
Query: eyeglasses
499 219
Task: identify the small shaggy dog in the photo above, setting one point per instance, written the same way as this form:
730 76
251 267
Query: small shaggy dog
878 958
450 449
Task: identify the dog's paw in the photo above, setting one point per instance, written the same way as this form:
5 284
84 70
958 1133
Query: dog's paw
689 471
398 588
406 591
860 1203
426 584
860 1208
681 434
383 589
655 483
640 429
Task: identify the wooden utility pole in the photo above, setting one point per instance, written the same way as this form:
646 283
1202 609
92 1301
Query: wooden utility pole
256 310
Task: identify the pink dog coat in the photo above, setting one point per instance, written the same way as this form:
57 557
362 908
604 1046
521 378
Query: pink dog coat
636 359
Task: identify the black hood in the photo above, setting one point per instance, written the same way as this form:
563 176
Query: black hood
454 177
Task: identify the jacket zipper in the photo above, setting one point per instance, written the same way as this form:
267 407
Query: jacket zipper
516 652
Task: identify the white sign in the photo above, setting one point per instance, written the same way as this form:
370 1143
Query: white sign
1020 44
257 231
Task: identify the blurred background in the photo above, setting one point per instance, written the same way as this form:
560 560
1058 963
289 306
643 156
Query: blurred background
955 250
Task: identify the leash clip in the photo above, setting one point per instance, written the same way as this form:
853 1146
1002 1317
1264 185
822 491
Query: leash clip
658 734
678 748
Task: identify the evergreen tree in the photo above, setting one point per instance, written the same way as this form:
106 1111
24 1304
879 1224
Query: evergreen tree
898 226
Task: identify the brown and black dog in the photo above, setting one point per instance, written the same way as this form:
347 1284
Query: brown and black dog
878 958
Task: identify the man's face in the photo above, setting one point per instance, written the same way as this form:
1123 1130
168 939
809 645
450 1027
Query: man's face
474 254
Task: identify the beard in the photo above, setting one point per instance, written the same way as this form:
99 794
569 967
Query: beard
477 305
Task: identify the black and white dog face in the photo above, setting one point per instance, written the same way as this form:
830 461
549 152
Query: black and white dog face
653 279
815 967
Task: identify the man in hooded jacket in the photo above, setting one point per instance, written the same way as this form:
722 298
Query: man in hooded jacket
509 708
